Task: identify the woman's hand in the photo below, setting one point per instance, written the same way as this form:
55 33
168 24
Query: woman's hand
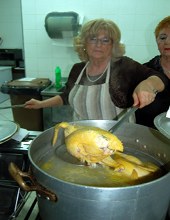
37 104
33 104
145 93
143 97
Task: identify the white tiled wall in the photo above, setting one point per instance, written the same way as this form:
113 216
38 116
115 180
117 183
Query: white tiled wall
136 19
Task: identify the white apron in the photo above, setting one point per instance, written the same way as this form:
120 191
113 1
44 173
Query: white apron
94 101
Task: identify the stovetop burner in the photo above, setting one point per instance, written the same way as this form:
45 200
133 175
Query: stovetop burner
16 150
14 146
28 209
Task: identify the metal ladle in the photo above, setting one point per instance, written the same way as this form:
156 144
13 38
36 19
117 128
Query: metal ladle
13 106
123 119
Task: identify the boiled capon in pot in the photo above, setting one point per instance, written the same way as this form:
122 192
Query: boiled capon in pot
92 146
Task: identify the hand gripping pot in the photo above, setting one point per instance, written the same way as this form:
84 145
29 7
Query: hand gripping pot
64 198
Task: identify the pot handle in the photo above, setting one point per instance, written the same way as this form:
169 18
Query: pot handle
18 175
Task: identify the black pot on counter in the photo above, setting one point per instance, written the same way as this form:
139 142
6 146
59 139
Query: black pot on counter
64 198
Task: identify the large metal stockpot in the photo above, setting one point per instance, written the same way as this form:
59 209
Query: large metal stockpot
146 201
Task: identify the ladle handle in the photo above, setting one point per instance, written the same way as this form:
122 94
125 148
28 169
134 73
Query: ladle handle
13 106
121 121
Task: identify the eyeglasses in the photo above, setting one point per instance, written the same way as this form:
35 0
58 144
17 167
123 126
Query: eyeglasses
103 41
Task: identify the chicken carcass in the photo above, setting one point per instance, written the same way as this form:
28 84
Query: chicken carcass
89 144
97 146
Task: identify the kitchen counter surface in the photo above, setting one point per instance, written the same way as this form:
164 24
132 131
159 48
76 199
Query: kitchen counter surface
52 91
5 67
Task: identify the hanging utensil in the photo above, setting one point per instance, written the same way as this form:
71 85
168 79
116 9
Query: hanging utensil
13 106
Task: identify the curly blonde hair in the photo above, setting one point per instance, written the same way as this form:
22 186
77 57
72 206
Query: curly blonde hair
162 24
92 28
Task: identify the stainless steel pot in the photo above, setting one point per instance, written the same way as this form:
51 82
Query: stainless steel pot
72 201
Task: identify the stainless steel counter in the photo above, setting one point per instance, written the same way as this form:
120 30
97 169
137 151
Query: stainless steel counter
51 91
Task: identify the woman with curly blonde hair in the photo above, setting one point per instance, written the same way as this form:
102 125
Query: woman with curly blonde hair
105 81
92 29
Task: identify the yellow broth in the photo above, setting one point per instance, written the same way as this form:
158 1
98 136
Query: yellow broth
57 166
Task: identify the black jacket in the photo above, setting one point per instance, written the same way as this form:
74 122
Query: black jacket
146 115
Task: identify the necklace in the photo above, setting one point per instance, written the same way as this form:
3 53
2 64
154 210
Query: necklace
100 76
